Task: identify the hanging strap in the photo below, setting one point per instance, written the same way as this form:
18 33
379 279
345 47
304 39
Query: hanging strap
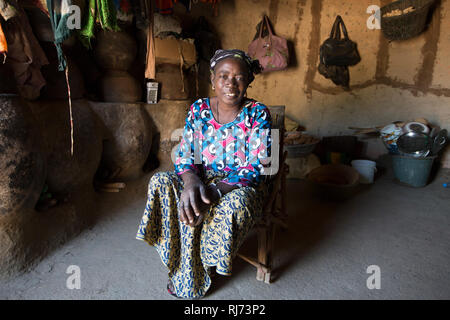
265 21
150 68
181 66
336 30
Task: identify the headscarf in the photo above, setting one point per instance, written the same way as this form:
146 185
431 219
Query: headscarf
253 65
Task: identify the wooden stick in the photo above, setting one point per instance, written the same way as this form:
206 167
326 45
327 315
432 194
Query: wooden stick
109 190
113 185
253 262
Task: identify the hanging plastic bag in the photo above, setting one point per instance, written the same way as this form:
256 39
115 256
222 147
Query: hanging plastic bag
271 51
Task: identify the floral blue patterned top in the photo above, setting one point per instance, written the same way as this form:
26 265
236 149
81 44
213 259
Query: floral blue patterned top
240 147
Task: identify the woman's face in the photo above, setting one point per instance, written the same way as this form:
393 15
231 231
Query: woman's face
230 80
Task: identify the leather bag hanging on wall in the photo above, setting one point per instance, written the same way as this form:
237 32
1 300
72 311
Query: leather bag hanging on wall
271 51
338 74
336 51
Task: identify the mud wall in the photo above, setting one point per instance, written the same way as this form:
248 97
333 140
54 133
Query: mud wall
397 80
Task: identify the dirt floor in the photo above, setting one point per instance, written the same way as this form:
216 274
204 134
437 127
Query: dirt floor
325 253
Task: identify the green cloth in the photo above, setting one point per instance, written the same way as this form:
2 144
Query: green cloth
101 11
61 32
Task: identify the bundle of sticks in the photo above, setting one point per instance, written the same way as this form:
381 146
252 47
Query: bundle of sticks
109 186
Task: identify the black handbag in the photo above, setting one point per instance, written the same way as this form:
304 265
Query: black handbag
336 51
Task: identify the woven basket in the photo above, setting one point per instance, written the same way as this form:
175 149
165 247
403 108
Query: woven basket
408 25
300 150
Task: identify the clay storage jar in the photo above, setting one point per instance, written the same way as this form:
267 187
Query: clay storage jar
22 162
114 53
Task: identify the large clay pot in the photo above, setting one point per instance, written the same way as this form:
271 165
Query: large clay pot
22 161
68 172
129 138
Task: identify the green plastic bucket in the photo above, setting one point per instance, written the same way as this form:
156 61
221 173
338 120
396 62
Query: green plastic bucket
412 171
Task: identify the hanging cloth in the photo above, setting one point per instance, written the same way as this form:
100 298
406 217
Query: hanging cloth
214 6
25 55
3 44
186 3
9 9
42 5
101 11
164 7
59 13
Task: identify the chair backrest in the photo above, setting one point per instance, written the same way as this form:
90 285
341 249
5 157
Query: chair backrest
277 114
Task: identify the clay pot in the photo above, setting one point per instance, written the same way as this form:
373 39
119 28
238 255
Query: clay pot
115 53
120 86
68 172
129 138
22 161
115 50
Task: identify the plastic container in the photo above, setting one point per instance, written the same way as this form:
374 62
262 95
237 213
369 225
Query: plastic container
414 172
366 169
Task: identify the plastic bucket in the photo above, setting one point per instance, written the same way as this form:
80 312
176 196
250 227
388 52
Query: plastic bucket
366 169
412 171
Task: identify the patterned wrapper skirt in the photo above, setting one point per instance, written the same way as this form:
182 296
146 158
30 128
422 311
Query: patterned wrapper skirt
190 252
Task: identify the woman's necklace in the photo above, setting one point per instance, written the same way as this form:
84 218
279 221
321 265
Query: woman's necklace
217 112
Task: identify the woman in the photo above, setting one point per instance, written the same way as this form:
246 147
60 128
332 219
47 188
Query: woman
198 216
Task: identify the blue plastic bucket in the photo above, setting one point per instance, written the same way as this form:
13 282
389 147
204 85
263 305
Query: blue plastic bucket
412 171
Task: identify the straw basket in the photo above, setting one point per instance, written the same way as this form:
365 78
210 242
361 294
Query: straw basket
405 25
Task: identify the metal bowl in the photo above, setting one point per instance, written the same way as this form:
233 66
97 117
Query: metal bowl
416 144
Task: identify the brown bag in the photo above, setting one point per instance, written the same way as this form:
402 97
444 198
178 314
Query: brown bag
271 51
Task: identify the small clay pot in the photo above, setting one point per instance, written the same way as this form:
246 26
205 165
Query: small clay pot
115 50
67 172
120 86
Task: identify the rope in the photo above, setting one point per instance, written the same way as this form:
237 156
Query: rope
181 65
70 109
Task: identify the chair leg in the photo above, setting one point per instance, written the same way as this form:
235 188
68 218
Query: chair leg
265 246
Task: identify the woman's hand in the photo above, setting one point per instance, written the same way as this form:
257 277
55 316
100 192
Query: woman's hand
194 200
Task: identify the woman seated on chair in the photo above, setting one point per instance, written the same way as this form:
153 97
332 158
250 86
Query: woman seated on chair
198 216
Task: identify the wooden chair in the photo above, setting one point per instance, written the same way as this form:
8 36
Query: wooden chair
274 209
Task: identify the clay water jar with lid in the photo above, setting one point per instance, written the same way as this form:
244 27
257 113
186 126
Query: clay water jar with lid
22 160
115 53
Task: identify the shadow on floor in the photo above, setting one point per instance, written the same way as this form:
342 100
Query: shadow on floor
312 217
